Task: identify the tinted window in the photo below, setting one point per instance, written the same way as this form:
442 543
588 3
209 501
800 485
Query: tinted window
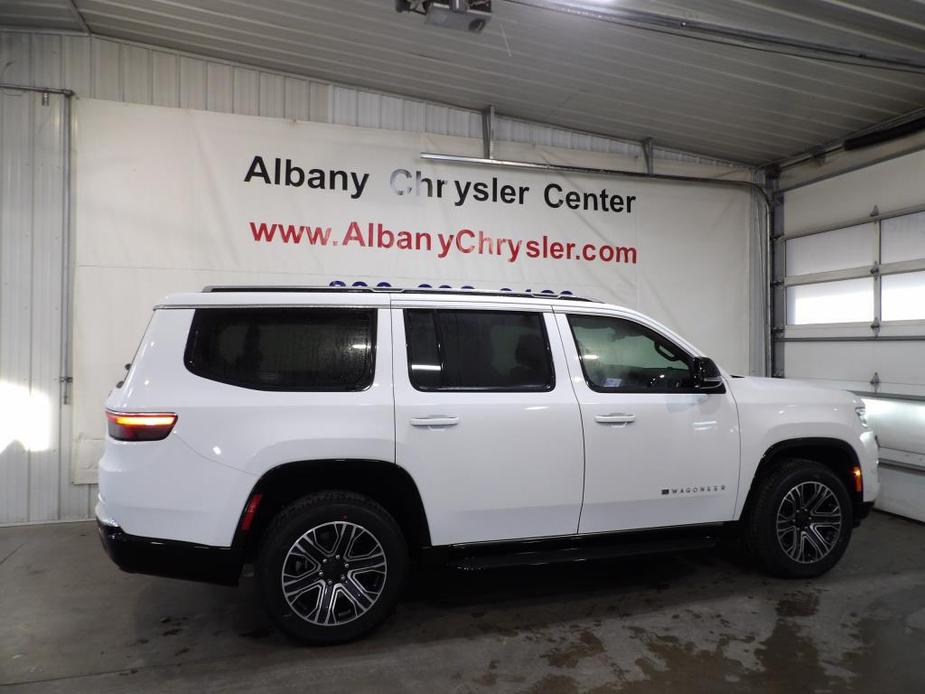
305 349
477 350
619 355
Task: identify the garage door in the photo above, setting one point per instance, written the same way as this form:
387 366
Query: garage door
853 293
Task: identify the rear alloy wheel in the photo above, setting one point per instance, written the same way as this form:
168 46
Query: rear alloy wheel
334 573
331 567
801 519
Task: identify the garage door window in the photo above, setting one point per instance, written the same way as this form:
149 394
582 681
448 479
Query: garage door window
904 296
478 351
848 301
903 238
866 273
294 349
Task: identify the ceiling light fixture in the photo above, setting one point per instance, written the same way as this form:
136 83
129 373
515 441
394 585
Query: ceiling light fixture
462 15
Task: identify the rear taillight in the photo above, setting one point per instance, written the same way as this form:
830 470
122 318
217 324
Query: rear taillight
140 426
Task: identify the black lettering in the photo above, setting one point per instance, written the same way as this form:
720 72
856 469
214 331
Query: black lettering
480 191
547 190
400 187
290 169
338 175
257 168
461 192
316 178
359 184
422 179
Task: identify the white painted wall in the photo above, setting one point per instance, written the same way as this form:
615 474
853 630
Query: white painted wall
35 485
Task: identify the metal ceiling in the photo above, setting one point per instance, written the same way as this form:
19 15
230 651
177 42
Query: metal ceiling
727 78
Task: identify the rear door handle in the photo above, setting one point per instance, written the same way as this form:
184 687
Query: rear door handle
434 421
615 418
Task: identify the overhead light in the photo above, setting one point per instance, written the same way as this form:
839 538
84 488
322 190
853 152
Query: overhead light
462 15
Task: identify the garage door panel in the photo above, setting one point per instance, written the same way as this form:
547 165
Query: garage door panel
897 364
836 361
900 363
853 287
832 250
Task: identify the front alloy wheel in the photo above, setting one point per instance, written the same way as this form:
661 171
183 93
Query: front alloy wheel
799 522
809 522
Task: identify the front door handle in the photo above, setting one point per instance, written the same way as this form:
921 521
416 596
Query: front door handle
615 418
434 421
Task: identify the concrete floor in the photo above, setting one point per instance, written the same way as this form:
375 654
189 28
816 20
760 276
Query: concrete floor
71 622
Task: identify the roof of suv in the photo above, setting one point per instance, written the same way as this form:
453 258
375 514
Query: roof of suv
445 291
271 296
268 295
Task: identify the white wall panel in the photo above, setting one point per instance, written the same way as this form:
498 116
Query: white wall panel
246 99
192 83
165 79
16 295
272 96
35 485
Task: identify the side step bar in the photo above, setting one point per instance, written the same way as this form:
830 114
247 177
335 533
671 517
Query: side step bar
491 555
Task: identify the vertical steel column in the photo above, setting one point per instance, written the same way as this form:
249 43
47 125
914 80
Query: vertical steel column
488 132
648 152
777 310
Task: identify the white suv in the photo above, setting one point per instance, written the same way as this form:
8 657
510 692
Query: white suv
330 435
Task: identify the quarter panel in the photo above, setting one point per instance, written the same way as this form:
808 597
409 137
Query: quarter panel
226 437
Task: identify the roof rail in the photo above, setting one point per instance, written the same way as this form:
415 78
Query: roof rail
395 290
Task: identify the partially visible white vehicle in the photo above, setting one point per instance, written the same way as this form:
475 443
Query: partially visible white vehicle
329 435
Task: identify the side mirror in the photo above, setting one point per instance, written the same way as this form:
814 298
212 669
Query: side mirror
704 374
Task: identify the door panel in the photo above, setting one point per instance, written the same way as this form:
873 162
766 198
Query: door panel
490 465
653 459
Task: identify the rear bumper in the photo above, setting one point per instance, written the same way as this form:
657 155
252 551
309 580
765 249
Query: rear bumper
171 558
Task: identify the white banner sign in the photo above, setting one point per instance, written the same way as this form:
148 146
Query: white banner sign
171 200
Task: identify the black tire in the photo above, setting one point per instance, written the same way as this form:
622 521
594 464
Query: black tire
822 544
317 522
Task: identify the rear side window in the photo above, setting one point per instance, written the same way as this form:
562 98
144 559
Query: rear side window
478 350
296 349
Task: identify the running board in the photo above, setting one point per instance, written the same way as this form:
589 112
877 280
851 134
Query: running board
494 555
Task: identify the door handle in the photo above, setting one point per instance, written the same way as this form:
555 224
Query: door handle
434 421
615 418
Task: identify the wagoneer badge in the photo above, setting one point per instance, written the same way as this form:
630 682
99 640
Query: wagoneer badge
709 489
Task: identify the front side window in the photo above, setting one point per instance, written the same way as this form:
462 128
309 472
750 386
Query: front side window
293 349
478 350
619 355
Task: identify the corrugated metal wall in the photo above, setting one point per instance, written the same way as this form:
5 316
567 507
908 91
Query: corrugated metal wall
35 485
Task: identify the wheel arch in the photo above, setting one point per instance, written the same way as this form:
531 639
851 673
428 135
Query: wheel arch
836 454
386 483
